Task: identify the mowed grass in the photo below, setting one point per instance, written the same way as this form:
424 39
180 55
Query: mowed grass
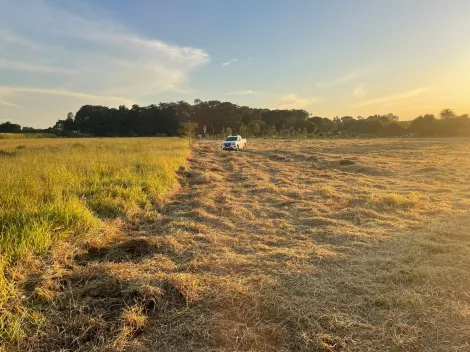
317 245
312 245
54 188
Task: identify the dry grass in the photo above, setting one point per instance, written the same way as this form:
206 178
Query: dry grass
280 247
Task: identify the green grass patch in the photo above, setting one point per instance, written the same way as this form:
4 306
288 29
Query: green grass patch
26 135
50 189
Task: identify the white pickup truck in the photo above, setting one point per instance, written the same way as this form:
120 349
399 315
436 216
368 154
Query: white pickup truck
233 143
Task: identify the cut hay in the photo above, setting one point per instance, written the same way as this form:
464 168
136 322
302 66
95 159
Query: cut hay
276 255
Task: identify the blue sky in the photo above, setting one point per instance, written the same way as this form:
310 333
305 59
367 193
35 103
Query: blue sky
332 58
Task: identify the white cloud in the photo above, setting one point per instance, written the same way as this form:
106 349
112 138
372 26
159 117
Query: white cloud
391 98
293 101
12 91
347 77
15 40
242 92
360 91
7 103
229 62
32 67
47 49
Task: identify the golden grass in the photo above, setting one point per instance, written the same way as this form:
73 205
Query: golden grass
280 247
133 321
53 188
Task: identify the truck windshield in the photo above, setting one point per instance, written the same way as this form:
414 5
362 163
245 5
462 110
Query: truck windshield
231 139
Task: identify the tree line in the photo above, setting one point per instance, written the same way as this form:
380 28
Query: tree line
215 118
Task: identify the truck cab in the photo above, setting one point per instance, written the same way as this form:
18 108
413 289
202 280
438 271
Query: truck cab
233 143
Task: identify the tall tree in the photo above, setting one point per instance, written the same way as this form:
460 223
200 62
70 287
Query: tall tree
256 129
447 114
243 130
271 131
188 130
8 127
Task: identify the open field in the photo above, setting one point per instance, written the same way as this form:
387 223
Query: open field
345 245
51 188
26 135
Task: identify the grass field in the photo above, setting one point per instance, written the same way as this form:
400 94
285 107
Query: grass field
53 188
26 135
315 245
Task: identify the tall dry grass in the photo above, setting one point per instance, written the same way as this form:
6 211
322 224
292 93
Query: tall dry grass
54 188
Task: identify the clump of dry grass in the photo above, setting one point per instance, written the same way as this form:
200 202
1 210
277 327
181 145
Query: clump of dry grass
205 177
184 286
329 191
133 322
391 200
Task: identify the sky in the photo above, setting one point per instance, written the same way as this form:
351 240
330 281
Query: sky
331 58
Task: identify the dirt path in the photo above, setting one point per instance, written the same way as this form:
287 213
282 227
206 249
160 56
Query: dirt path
279 247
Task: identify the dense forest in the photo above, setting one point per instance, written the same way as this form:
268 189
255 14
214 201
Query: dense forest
224 118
